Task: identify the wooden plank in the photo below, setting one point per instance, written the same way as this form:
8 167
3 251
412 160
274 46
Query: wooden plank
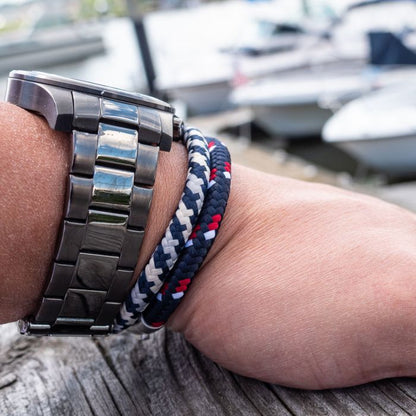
195 384
384 405
159 374
325 402
396 392
262 396
59 376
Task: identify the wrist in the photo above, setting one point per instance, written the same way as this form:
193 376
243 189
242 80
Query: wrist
168 188
35 163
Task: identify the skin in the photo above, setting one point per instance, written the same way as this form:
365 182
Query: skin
307 285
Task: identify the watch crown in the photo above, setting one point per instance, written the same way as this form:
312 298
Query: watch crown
178 128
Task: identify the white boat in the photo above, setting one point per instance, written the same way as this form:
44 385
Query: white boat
298 105
345 43
203 76
277 27
379 129
52 40
349 36
291 108
201 82
108 68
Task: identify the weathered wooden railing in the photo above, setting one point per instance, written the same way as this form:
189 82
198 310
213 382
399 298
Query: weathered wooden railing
161 374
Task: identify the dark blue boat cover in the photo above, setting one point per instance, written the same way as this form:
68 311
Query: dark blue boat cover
388 49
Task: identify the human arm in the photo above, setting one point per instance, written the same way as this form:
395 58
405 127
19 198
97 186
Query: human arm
306 285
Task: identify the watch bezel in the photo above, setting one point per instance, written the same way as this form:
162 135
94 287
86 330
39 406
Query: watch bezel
91 88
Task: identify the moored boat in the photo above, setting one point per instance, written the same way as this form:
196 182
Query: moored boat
299 104
379 130
52 40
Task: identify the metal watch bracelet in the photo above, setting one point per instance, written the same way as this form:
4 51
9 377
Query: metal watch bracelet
109 192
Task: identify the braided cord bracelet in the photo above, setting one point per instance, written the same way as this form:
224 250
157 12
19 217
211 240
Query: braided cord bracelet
180 228
199 244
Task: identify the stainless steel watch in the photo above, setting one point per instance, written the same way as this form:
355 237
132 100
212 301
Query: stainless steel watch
116 139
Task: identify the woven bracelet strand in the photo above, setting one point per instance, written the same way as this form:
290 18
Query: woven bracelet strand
199 244
177 234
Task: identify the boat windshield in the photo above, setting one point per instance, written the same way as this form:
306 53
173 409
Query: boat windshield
351 33
389 16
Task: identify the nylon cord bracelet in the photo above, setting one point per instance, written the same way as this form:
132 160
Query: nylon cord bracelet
158 297
177 233
199 244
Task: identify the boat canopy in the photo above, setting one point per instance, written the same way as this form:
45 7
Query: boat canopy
388 49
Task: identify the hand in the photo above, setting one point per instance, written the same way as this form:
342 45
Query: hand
307 286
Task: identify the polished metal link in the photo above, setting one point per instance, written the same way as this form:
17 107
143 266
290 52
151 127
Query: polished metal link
117 146
112 188
84 150
108 199
147 157
80 193
118 111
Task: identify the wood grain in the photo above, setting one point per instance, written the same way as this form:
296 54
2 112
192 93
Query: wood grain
161 374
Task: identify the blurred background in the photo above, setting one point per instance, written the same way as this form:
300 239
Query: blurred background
321 90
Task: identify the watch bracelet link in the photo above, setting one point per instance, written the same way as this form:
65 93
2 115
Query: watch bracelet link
110 188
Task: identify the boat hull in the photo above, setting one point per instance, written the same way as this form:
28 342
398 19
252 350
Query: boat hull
393 156
53 55
292 121
205 98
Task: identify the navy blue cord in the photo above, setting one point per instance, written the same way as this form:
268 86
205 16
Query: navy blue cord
200 242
